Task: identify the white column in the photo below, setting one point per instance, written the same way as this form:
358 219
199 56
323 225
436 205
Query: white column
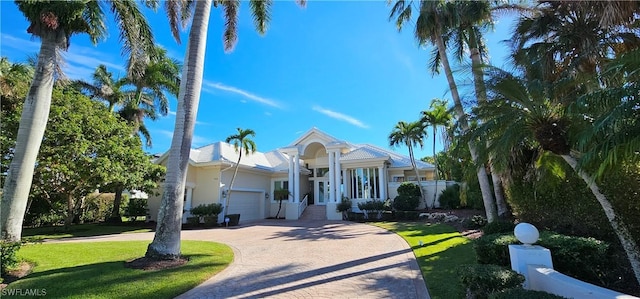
332 169
337 177
382 182
187 203
296 179
290 188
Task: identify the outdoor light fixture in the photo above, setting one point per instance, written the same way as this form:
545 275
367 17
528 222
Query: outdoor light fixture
224 194
266 195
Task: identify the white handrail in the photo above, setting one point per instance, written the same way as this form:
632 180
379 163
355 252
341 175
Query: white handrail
303 205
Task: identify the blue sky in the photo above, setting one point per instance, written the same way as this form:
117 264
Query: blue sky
340 66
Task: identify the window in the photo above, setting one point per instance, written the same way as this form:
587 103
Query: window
413 178
281 185
398 179
320 172
365 183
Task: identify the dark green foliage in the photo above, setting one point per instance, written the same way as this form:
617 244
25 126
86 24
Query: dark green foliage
483 280
8 258
406 202
372 207
450 197
344 205
500 226
409 189
586 259
281 194
523 294
202 210
137 207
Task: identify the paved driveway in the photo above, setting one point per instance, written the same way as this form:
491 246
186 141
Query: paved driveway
308 259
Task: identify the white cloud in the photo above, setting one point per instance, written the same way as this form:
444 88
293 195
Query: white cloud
340 116
171 113
246 94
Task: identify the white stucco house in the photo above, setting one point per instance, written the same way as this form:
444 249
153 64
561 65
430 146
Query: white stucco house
317 169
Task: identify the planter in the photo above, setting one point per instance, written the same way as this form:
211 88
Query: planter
211 220
193 220
234 219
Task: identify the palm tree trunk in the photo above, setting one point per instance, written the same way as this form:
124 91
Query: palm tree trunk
481 95
33 123
435 163
233 178
415 168
166 241
483 180
622 232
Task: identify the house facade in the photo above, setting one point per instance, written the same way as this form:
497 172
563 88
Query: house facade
316 169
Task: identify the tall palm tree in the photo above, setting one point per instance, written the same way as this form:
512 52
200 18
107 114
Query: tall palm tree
438 116
435 20
166 241
54 22
410 134
525 109
241 141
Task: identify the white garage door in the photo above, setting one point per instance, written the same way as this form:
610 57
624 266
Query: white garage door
245 203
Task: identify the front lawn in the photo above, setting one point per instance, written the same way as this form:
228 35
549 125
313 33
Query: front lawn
84 230
443 250
97 270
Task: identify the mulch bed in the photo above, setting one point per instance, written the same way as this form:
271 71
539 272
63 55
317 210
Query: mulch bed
23 270
147 264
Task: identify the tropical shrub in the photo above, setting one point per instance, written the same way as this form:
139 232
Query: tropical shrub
344 207
450 197
410 189
500 226
8 258
202 210
406 202
482 280
372 206
578 257
137 207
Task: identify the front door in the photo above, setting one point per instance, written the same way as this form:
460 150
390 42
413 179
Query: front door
322 191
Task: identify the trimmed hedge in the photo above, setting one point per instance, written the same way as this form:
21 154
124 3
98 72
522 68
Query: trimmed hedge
523 294
578 257
406 202
482 280
500 226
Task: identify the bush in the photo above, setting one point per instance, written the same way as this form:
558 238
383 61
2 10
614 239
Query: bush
523 294
482 280
500 226
406 202
202 210
372 206
136 207
578 257
344 205
450 197
409 189
8 258
478 221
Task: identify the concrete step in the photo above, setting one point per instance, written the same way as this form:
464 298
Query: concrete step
314 212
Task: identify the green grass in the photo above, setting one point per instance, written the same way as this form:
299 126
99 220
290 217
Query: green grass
81 230
443 251
96 270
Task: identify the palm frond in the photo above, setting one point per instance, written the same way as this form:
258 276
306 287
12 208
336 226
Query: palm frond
230 35
261 11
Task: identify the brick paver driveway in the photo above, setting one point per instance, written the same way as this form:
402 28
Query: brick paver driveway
309 259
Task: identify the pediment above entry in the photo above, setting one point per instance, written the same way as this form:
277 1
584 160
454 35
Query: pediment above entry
310 142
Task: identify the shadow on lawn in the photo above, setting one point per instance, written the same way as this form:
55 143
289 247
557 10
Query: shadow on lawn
85 230
111 279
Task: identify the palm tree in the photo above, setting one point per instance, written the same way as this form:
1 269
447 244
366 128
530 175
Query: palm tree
54 22
524 109
166 241
410 134
435 20
240 141
161 76
438 116
105 87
